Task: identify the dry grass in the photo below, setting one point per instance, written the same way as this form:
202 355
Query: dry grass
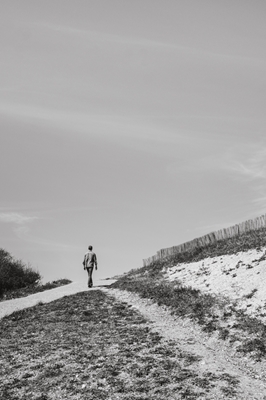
212 313
89 346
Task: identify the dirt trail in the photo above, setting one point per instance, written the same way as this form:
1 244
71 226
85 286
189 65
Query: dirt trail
215 355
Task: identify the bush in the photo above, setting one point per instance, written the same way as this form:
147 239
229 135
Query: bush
14 274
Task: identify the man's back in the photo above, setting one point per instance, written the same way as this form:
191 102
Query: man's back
90 259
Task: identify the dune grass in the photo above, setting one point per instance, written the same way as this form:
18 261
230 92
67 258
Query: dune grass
89 346
213 313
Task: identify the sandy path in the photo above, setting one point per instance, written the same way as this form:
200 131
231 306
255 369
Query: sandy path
216 356
9 306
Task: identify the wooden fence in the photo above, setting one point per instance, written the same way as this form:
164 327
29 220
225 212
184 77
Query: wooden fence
212 237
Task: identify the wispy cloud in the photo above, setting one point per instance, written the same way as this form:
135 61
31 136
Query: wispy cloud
21 226
246 161
21 231
247 164
16 218
244 164
44 243
107 37
19 222
253 165
126 129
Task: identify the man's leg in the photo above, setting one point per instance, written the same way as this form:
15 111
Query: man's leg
90 283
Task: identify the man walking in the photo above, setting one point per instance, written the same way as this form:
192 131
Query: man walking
90 260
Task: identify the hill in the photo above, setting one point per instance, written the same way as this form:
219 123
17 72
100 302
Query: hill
220 286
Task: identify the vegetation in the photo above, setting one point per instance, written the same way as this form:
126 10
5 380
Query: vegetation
212 313
35 288
90 346
14 274
19 280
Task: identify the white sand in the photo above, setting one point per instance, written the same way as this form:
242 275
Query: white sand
233 276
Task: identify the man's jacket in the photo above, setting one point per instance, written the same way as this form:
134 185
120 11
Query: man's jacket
90 259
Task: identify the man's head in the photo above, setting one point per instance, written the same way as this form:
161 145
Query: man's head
90 248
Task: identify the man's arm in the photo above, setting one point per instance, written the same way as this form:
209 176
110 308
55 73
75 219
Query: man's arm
95 261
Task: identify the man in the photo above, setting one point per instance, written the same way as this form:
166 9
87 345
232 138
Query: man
90 260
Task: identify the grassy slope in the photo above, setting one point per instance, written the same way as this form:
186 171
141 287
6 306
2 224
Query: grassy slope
89 346
211 313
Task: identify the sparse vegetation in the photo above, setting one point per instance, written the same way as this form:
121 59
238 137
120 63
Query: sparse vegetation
19 280
207 310
90 346
184 301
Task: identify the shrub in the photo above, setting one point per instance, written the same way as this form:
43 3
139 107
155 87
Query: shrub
14 274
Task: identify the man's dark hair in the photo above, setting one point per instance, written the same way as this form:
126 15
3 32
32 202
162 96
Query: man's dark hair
90 247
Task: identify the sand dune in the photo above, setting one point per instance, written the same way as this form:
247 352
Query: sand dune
240 277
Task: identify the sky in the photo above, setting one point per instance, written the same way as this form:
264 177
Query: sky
128 125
